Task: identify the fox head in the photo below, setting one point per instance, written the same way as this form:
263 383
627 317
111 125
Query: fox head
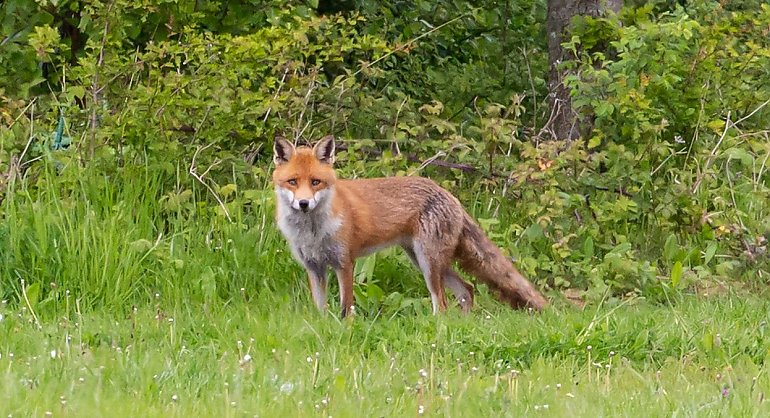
304 177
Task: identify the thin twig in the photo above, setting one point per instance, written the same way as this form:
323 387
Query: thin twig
680 152
547 126
762 167
732 192
713 154
193 172
337 105
763 132
306 104
428 162
200 125
277 92
532 86
444 164
29 305
7 179
406 45
251 156
752 113
728 124
11 37
395 125
435 157
31 135
698 123
16 119
95 84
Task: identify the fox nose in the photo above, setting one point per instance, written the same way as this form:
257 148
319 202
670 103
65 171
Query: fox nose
303 204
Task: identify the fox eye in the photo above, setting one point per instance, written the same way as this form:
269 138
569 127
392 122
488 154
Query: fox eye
293 182
315 182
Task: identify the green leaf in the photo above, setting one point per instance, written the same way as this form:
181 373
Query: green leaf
716 125
374 293
432 109
366 269
595 141
621 248
228 190
208 284
534 232
33 293
671 248
676 273
708 341
740 154
340 383
726 268
604 109
486 223
75 91
710 252
140 245
588 247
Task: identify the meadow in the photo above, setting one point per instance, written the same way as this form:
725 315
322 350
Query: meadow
142 274
270 356
213 318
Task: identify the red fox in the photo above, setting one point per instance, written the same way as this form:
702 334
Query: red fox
330 223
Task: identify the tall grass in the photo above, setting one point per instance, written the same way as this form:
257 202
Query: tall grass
125 295
112 241
126 238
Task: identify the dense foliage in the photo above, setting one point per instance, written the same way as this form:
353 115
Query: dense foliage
153 117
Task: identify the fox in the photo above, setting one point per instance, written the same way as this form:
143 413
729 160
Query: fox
330 222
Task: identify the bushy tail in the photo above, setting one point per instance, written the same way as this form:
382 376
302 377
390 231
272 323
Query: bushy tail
479 256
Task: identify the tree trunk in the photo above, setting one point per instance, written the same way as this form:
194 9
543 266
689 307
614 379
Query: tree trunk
565 123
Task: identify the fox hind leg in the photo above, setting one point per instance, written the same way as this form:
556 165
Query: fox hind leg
438 275
463 290
432 274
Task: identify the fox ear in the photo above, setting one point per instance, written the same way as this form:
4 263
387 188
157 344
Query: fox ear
324 149
282 150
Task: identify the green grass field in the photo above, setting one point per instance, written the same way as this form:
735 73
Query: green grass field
120 303
274 357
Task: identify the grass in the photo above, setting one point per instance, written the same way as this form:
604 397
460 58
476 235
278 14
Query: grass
123 299
251 358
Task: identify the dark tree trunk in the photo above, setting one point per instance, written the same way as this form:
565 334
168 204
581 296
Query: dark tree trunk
565 123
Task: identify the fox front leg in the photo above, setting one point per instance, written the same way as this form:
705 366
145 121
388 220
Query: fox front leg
318 288
345 279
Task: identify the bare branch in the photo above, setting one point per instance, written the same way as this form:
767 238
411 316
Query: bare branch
752 113
407 45
277 92
200 177
95 89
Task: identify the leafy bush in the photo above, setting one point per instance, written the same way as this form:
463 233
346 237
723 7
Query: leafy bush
679 136
666 193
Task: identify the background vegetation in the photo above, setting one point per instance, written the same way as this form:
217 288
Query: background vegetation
167 110
135 149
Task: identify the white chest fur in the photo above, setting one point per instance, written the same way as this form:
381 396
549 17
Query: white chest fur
312 236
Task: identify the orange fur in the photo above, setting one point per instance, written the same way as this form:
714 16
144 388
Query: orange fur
330 222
